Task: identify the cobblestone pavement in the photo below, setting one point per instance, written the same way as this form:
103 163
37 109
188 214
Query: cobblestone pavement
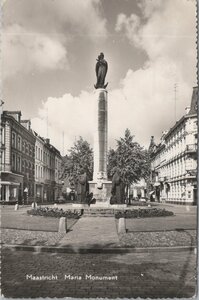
143 275
26 237
92 231
158 239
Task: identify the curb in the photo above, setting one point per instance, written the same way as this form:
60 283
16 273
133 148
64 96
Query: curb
82 250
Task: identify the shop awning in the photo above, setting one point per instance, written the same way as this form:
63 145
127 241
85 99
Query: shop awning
9 183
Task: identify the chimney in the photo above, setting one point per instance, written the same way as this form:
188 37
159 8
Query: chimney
26 124
187 110
48 141
14 114
194 101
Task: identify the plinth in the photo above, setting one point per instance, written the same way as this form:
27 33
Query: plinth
100 186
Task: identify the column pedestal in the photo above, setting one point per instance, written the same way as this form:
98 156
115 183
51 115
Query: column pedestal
102 192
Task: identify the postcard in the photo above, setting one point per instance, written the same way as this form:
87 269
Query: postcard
98 149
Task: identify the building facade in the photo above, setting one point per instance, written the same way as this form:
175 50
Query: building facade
58 174
138 190
39 168
17 159
30 166
52 172
174 160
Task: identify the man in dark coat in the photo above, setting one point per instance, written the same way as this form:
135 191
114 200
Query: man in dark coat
82 187
118 189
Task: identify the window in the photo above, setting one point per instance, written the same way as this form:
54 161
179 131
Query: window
19 143
23 169
14 139
33 151
19 164
13 161
26 148
2 135
30 150
23 146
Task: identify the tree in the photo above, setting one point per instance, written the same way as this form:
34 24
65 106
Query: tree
130 159
80 156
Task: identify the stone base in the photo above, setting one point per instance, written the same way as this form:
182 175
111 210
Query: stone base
118 206
107 205
102 194
80 206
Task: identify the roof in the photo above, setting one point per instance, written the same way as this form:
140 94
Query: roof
192 111
194 101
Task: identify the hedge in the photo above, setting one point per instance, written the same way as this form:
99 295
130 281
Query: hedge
143 213
54 212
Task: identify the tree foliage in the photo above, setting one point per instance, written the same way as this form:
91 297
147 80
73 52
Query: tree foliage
80 156
130 159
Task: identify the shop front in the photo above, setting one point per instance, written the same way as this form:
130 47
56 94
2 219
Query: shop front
11 187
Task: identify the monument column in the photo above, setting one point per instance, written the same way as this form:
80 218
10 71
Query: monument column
100 186
100 135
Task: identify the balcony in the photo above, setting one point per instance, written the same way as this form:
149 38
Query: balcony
192 172
192 148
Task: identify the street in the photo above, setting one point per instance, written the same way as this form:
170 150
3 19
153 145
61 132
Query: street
154 275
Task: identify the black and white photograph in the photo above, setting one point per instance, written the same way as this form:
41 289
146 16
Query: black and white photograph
99 149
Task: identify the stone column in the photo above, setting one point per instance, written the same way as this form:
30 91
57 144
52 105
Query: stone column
100 136
100 186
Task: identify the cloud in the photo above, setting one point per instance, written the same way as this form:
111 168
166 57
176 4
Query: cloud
69 115
68 17
144 100
31 41
84 16
168 36
24 51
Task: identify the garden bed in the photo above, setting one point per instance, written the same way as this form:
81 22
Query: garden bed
143 213
55 212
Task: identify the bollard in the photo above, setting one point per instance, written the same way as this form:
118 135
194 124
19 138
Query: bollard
62 225
16 206
34 205
122 225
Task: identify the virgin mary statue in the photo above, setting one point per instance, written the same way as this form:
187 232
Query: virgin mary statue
101 70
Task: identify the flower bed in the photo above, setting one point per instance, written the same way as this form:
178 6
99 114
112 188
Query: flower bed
143 213
55 212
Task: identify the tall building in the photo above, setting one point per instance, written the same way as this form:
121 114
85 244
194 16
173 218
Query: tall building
30 166
48 165
58 174
17 157
39 168
52 172
174 160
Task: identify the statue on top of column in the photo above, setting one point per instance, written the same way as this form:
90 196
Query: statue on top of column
101 70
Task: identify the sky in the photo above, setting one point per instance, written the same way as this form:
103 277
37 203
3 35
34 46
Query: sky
49 51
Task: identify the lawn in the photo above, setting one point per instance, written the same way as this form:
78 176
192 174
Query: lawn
11 219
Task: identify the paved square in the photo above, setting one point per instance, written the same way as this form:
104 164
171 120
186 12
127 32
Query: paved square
163 274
